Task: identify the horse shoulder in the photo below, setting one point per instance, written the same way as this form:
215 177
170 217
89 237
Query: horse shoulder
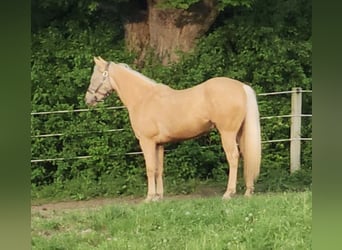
142 115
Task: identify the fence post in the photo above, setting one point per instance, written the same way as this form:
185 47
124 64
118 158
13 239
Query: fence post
296 111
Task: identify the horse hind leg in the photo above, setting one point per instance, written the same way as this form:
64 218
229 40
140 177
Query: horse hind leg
159 173
232 154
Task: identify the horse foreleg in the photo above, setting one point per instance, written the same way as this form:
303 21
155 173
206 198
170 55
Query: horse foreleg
232 154
159 172
150 154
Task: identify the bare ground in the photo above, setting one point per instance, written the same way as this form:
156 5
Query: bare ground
63 206
93 203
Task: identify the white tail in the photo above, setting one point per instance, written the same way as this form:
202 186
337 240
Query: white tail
250 141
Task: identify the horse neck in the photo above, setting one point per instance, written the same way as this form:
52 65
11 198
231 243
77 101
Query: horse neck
131 87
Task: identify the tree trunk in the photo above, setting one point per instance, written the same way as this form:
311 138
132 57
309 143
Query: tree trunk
167 31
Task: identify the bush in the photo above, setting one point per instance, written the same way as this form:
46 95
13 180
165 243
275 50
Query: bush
267 49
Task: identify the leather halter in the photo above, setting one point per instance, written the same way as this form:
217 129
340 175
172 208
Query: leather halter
104 78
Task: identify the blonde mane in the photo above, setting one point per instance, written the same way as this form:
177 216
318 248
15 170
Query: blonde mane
124 65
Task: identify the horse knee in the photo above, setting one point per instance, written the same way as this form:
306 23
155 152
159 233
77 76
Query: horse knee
151 173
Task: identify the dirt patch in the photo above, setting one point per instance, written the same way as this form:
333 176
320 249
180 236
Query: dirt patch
93 203
100 202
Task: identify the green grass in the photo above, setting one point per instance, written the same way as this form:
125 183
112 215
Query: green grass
271 221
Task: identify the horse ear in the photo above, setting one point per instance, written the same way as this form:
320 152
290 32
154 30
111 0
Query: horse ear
96 60
100 62
101 59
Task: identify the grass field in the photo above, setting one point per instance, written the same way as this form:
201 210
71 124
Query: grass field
267 221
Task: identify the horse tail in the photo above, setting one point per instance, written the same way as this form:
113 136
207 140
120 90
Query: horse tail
250 140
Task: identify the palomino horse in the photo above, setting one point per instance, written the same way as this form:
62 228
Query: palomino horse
160 114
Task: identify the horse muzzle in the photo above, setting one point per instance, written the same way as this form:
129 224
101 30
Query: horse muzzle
91 100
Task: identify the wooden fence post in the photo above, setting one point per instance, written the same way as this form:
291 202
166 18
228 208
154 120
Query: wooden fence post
296 112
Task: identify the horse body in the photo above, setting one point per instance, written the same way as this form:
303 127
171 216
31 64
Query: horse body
160 114
183 114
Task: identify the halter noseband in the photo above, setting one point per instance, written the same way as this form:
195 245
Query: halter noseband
104 77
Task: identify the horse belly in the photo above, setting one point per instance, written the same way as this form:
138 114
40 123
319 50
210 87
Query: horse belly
182 128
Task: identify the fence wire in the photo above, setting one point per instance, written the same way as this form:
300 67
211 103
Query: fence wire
140 152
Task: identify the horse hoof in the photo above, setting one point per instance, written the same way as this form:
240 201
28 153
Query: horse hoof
227 196
249 193
157 197
148 199
153 198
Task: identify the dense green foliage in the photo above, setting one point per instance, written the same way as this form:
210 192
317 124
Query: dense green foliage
186 4
275 221
267 44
